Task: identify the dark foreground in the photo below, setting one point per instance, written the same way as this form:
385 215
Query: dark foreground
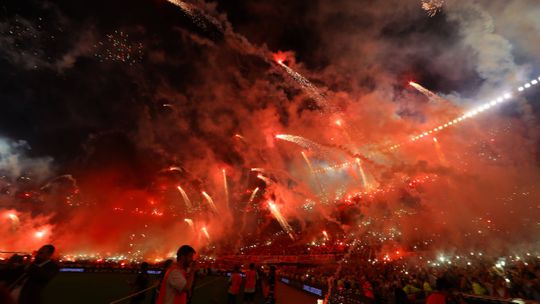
95 288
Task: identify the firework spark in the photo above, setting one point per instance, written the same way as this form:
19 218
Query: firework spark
205 231
190 223
472 113
430 95
281 220
301 141
316 177
308 87
226 187
325 235
439 151
362 173
253 194
198 17
265 179
210 201
187 201
432 7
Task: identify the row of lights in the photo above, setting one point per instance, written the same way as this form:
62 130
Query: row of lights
471 113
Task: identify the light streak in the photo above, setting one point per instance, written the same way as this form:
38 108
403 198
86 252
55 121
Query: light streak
470 114
325 235
225 187
210 201
281 220
265 179
439 152
362 173
190 223
252 197
308 87
316 177
185 197
430 95
40 234
205 231
301 141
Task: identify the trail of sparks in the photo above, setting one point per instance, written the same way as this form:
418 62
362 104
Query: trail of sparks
439 152
324 197
196 15
362 173
470 114
265 179
301 141
432 7
205 231
430 95
226 187
253 194
190 223
185 197
308 87
281 220
210 201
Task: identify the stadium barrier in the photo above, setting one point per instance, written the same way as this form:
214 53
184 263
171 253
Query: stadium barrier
134 294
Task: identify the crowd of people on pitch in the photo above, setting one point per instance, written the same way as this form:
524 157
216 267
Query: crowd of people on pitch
392 282
23 278
356 280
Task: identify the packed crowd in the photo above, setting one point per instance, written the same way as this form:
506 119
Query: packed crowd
354 280
395 282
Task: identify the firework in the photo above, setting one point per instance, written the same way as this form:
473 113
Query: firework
308 87
210 201
190 223
430 95
281 220
301 141
470 114
118 47
198 17
439 151
185 197
40 234
432 7
265 179
13 217
205 231
325 235
316 177
362 173
252 197
225 186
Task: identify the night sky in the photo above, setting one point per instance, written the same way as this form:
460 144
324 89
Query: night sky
113 92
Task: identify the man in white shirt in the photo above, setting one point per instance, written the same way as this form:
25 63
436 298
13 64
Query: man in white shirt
178 280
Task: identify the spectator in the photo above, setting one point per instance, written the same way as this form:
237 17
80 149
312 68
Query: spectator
12 270
141 283
178 280
35 277
164 269
271 298
251 283
235 281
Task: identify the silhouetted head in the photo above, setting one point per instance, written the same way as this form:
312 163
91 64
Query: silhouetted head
44 253
185 255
